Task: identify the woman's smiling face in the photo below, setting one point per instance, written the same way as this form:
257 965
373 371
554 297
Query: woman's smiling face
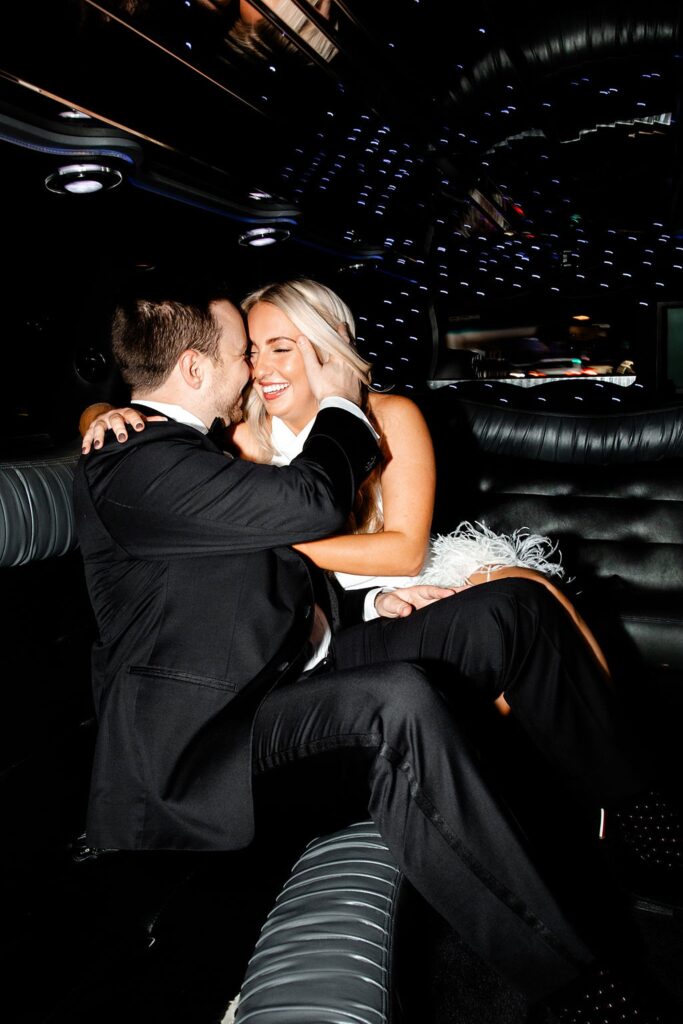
279 375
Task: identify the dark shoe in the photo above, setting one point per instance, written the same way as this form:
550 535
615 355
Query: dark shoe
81 851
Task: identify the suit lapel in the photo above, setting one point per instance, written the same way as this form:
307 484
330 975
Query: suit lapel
211 440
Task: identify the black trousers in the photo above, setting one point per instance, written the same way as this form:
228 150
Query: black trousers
428 795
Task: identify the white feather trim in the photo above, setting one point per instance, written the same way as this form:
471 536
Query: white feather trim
473 547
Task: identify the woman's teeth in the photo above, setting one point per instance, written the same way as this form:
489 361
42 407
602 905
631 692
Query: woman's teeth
273 389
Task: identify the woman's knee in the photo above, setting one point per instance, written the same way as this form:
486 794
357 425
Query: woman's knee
524 592
513 613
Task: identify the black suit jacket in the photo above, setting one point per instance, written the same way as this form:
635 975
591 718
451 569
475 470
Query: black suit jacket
201 608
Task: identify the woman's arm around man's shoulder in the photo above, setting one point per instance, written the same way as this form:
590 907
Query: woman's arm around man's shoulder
408 481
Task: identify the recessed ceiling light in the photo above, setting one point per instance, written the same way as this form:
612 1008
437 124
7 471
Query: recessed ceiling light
83 178
580 316
264 236
74 115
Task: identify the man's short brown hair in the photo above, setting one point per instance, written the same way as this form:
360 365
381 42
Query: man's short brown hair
149 336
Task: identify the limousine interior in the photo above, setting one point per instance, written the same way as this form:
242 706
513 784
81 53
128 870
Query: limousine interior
497 191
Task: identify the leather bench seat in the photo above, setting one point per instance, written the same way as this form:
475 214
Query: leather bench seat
588 466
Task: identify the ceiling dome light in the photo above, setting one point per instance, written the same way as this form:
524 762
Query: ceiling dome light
264 236
83 178
74 115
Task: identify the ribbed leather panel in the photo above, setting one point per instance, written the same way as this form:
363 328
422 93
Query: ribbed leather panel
36 509
324 951
560 437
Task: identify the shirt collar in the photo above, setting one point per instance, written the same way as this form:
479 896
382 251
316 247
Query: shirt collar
287 444
176 412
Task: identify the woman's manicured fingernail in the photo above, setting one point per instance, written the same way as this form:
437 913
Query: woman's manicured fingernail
97 444
122 436
139 426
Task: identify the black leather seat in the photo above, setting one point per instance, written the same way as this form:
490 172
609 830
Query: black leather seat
599 468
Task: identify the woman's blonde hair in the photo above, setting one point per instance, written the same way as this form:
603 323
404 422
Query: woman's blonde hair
325 319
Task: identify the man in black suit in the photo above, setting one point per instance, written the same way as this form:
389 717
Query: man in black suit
210 672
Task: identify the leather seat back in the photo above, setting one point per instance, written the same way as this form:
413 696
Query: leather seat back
593 468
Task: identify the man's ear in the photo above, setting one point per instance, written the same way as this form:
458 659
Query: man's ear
191 367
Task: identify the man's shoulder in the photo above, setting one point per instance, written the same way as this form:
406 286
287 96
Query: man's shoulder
155 433
158 443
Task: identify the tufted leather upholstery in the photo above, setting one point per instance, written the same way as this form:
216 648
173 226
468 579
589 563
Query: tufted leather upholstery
593 466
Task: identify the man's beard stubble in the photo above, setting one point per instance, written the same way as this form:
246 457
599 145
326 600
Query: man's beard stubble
234 413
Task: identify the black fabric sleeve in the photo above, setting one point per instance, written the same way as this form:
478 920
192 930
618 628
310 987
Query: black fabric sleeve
351 603
169 493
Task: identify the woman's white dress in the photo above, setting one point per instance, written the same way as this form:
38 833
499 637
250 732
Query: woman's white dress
452 557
